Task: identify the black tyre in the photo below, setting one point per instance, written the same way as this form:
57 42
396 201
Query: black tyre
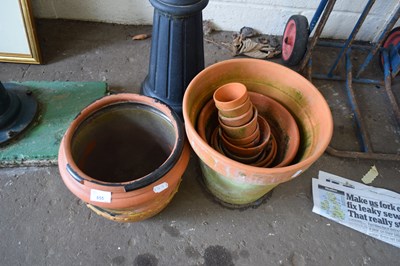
295 39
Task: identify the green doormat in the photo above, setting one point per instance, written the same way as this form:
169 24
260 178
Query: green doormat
59 103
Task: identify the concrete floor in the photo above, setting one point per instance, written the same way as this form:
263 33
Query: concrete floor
42 223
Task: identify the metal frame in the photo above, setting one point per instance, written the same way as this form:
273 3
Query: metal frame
34 56
391 64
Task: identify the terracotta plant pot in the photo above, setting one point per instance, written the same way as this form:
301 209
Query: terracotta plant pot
283 126
124 156
249 141
244 159
230 96
269 157
208 115
265 134
241 109
236 183
250 151
242 131
217 144
237 120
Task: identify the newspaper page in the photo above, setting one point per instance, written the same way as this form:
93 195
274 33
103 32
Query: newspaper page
353 184
366 209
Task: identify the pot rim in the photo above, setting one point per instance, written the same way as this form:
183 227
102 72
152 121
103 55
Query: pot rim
123 98
244 127
234 103
263 140
228 112
191 131
237 121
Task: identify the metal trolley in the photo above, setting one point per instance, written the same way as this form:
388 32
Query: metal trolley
297 50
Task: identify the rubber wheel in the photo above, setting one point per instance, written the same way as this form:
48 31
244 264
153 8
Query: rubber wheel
392 38
295 38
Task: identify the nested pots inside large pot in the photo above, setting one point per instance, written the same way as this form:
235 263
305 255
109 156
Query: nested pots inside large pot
239 184
124 155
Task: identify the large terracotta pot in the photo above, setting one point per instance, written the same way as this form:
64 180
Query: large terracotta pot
237 183
124 156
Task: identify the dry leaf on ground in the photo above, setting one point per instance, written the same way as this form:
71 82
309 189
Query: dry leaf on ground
142 36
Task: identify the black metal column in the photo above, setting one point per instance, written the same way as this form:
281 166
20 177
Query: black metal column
177 52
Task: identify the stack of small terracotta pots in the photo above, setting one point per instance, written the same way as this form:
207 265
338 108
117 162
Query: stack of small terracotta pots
242 134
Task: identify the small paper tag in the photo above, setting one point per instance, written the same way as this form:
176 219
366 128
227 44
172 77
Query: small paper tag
160 187
100 195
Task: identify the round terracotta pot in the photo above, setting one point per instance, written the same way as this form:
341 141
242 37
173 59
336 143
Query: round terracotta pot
267 159
240 110
249 141
216 143
124 156
230 96
250 151
242 131
283 126
208 115
239 184
237 120
242 159
265 134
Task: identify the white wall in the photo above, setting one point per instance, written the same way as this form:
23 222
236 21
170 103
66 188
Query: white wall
136 12
267 16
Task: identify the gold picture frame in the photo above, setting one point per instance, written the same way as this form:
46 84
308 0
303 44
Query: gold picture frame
31 51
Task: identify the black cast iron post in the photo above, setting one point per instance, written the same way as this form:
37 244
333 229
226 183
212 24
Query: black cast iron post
4 100
9 105
177 51
17 110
